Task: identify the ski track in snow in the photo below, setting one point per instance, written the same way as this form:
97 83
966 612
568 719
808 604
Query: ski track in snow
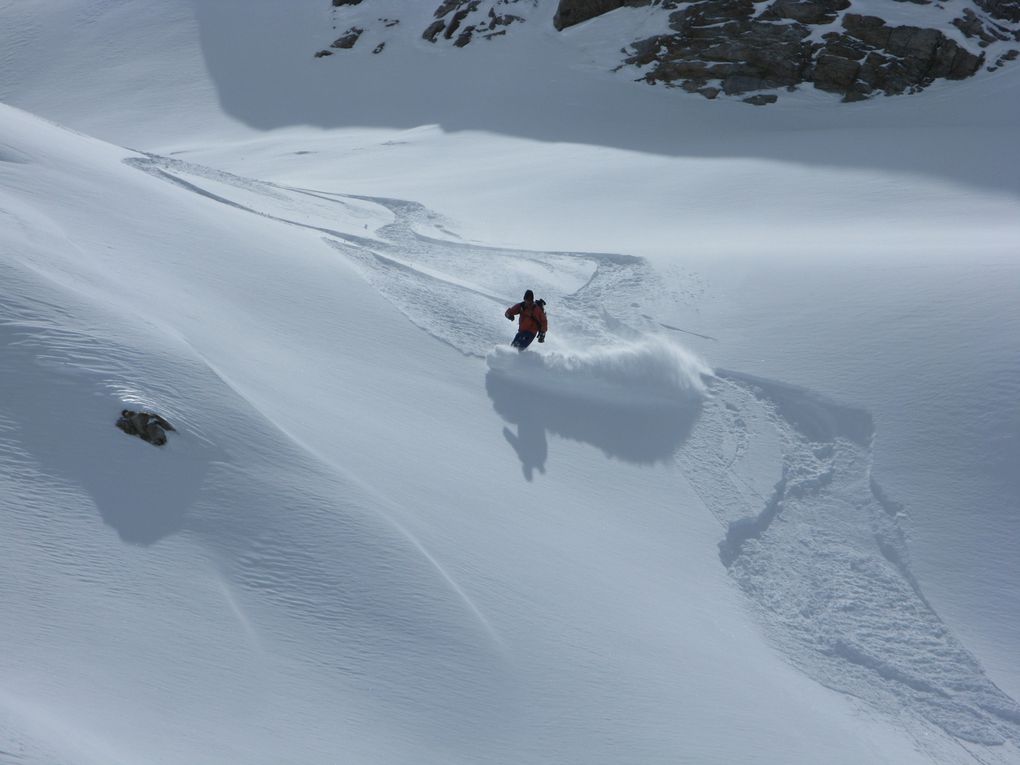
822 556
816 545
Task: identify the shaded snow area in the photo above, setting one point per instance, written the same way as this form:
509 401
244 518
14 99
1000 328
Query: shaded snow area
753 500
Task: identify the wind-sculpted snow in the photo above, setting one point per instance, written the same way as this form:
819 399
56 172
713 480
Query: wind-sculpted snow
822 556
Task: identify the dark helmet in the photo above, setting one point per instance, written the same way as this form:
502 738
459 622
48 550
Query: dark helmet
529 296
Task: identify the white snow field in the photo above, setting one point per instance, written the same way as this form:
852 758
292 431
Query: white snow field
755 500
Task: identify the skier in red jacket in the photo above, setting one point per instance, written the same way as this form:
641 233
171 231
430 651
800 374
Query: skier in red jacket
531 323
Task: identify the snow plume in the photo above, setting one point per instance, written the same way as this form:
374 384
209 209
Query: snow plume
636 402
649 371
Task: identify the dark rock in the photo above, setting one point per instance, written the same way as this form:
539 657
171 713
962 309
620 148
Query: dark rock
458 18
146 425
900 59
338 3
451 5
971 26
1004 10
761 99
349 38
805 11
1010 55
986 30
914 43
721 39
321 53
711 12
501 19
868 29
433 30
835 74
571 12
379 48
452 18
844 47
954 62
737 84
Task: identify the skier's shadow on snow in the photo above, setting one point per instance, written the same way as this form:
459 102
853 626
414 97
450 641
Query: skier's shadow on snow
643 434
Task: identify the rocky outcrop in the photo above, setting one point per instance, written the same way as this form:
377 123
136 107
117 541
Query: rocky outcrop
461 18
146 425
744 50
571 12
723 41
750 49
871 56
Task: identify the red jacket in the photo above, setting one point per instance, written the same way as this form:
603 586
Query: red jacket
532 317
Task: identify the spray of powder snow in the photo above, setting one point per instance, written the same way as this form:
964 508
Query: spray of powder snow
650 371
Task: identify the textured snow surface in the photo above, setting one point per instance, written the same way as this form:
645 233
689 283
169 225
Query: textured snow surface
753 500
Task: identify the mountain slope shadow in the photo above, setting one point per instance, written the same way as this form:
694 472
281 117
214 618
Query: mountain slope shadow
639 432
274 81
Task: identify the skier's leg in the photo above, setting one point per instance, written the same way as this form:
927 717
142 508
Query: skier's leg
522 340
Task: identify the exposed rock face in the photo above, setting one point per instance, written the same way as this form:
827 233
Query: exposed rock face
870 56
570 12
722 40
729 41
750 49
462 18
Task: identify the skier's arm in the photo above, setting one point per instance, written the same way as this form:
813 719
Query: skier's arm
513 311
543 322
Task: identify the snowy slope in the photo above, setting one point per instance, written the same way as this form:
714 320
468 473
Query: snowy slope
378 537
293 557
